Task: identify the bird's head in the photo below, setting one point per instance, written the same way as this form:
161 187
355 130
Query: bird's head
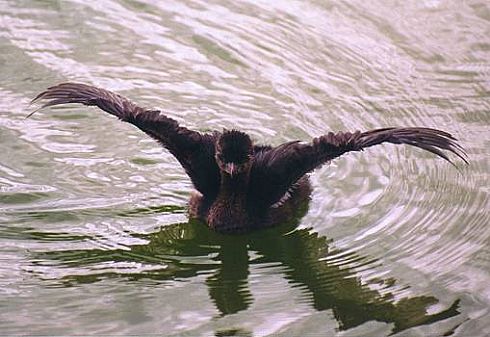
234 151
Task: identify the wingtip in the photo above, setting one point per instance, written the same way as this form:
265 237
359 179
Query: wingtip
33 112
37 98
31 103
46 94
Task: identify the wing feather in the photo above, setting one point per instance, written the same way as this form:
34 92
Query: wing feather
194 151
276 170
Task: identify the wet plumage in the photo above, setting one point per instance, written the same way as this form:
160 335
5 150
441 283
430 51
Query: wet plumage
241 185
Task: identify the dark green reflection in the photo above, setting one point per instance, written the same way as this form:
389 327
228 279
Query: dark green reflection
186 250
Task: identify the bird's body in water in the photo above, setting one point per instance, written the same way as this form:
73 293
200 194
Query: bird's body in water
240 185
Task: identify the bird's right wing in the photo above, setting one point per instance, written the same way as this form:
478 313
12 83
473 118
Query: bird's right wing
275 171
194 151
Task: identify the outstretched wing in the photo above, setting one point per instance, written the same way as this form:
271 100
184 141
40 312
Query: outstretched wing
194 151
275 171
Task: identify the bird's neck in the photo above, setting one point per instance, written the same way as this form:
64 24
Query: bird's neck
233 189
229 210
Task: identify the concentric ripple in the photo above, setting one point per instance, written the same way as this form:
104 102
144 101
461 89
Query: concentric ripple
93 224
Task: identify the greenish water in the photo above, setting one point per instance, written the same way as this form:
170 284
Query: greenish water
94 233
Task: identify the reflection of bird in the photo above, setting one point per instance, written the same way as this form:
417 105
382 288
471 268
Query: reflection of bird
325 276
242 185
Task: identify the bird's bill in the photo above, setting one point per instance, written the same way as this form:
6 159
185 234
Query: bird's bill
231 168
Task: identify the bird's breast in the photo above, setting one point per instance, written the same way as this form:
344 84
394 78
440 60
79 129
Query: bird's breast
228 216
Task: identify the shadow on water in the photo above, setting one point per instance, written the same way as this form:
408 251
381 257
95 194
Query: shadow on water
186 250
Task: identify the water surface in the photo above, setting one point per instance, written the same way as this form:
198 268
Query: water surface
94 234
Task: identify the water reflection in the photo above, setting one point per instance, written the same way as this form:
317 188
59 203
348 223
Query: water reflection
182 251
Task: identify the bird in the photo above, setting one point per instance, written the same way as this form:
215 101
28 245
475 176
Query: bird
240 185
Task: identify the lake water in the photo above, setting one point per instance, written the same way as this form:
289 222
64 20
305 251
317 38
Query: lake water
94 234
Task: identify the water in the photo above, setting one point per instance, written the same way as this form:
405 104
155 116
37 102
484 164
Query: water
94 236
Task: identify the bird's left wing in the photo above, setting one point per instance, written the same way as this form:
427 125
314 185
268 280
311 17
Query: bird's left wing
194 151
275 171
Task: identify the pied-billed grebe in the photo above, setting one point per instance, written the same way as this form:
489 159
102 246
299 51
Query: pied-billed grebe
242 186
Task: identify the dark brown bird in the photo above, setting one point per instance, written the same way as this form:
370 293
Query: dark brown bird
243 186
